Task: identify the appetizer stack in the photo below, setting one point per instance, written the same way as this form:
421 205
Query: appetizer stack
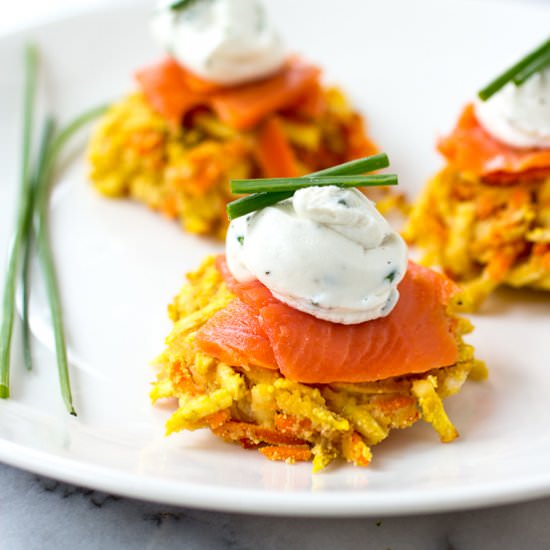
313 348
228 103
485 218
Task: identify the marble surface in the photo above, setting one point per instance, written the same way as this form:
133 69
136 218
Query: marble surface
37 513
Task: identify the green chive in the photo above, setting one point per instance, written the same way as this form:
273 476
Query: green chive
23 214
272 185
44 250
514 71
180 4
45 141
356 167
243 206
538 65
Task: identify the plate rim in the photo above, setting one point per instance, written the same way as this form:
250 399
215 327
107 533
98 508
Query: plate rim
273 503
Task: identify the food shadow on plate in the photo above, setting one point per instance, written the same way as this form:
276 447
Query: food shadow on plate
507 299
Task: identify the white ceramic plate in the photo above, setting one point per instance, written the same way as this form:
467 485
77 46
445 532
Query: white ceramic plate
410 66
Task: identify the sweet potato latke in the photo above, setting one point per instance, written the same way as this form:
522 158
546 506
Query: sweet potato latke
285 420
485 218
182 166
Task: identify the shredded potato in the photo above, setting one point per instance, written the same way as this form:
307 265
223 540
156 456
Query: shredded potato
285 420
183 171
484 235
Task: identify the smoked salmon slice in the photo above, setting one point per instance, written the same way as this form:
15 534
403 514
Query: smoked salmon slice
234 335
472 149
173 91
415 337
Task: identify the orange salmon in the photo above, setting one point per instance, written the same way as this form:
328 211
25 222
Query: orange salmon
470 148
257 329
173 91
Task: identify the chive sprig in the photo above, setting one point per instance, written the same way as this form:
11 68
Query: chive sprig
33 204
180 4
270 185
22 222
269 191
47 134
53 145
520 72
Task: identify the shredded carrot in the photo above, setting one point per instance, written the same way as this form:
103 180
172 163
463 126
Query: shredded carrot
501 263
391 403
274 152
312 103
145 141
486 205
181 379
355 450
542 251
520 197
169 206
218 419
287 453
292 425
237 431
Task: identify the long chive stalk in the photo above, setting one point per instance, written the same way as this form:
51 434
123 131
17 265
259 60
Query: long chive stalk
180 4
44 250
23 215
45 141
539 64
514 71
272 185
245 205
356 167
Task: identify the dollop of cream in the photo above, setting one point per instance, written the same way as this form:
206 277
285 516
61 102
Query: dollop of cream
225 41
519 115
327 251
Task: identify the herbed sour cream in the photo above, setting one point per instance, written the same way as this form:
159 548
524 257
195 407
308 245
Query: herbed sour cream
326 251
519 115
224 41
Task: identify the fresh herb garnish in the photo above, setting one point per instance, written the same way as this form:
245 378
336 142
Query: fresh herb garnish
45 140
181 4
533 62
259 200
240 239
44 249
245 205
33 203
22 222
538 65
391 276
274 185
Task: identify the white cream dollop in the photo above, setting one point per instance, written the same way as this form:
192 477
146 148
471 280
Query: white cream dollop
225 41
519 115
326 251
